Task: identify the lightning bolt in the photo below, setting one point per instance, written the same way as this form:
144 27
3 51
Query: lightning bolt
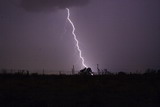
75 38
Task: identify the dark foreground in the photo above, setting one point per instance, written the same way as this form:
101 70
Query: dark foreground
80 91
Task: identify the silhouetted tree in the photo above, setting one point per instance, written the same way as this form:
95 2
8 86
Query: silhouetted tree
105 72
27 72
150 72
121 73
4 71
158 71
86 71
98 70
34 74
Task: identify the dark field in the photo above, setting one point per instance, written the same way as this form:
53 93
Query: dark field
134 90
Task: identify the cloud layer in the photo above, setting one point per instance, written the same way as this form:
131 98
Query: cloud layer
50 5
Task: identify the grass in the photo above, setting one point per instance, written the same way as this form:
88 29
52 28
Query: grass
79 91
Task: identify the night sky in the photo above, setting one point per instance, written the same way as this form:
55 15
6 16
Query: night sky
119 35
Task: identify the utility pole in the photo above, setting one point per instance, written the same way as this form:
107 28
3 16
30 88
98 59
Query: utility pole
43 72
73 70
98 70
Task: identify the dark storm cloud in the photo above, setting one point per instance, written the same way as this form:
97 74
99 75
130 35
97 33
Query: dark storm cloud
47 5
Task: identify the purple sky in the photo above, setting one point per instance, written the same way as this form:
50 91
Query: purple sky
120 35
